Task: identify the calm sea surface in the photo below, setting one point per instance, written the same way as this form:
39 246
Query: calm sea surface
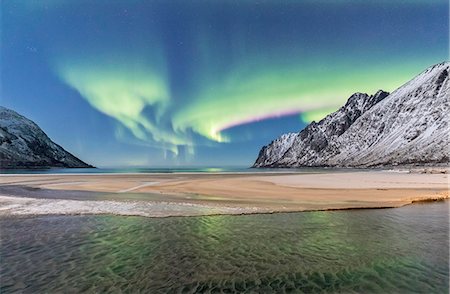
401 250
169 170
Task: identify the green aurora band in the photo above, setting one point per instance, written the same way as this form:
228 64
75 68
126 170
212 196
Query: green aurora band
233 80
122 92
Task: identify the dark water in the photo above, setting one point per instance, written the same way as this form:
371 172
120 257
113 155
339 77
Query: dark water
127 170
401 250
169 170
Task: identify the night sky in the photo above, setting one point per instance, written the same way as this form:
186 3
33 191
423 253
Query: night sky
164 83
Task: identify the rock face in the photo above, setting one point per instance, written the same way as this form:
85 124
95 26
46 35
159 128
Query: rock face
24 145
274 151
408 126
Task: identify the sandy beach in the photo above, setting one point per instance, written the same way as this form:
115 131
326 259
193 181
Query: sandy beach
187 194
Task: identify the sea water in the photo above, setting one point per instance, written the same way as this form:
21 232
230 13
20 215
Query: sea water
170 170
400 250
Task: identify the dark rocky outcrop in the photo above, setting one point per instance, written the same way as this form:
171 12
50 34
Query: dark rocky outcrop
24 145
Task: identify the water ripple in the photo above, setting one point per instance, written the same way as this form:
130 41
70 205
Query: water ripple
370 251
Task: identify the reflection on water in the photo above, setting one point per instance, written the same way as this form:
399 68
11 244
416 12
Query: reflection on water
388 250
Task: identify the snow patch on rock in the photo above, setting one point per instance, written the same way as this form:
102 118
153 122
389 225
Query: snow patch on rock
408 126
23 145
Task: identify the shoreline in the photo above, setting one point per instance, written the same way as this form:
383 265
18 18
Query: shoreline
180 194
40 213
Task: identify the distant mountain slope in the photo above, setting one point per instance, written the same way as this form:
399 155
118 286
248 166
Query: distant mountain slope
409 126
24 145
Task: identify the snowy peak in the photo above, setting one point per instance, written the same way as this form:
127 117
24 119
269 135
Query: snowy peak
273 152
24 145
308 144
409 126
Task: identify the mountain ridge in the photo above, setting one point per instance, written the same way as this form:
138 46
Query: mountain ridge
23 144
408 126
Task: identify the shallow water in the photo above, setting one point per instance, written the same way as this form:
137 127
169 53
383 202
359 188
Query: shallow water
385 250
170 170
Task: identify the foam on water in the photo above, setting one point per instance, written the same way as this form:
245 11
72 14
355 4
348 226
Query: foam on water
387 250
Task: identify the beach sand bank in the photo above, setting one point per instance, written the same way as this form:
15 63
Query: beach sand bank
188 194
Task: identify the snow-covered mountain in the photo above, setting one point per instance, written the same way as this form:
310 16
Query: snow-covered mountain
408 126
24 145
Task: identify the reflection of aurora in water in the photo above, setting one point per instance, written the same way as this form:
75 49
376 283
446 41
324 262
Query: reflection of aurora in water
389 250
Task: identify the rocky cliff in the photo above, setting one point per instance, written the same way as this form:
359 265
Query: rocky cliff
408 126
24 145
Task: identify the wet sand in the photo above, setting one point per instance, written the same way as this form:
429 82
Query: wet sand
157 195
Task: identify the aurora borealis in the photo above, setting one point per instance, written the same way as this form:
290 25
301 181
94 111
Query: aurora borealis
203 82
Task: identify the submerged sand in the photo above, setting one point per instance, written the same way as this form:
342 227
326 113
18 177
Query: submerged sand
186 194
